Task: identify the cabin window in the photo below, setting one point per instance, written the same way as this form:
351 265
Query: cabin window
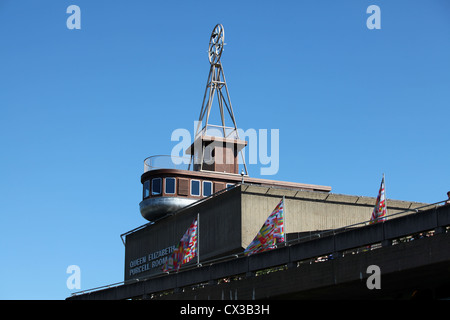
156 186
195 187
146 188
230 185
207 188
170 185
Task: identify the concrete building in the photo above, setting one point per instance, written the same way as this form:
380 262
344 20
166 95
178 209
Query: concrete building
229 220
230 208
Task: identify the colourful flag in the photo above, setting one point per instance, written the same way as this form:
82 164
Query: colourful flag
271 233
380 210
185 251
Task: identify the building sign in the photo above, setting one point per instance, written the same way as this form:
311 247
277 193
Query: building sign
150 261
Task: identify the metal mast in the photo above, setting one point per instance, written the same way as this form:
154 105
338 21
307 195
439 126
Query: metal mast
216 86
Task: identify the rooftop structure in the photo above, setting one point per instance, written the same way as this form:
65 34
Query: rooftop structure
211 164
232 206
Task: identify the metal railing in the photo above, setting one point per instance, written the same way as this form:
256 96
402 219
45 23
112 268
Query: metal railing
350 227
316 235
218 131
166 162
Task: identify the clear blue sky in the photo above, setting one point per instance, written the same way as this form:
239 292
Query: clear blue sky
81 109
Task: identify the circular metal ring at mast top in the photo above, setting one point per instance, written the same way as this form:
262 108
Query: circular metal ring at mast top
216 43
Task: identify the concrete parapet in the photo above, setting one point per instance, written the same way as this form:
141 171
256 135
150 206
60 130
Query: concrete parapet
231 220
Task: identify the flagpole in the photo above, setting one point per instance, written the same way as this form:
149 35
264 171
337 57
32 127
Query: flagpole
385 196
284 222
198 239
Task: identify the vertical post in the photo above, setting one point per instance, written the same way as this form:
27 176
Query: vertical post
284 221
385 197
198 239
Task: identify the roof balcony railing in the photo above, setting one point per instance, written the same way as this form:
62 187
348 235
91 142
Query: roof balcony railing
218 131
166 162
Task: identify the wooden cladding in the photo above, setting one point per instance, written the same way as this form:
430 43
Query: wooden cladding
183 187
218 186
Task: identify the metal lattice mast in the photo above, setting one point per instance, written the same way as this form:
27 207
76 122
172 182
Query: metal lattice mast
216 86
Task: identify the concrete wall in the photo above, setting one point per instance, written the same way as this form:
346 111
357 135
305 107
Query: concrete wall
307 211
219 233
403 264
230 221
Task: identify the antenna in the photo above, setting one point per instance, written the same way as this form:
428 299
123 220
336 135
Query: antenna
217 141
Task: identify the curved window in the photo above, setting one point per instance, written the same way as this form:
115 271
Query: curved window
156 186
207 188
170 185
146 188
195 187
